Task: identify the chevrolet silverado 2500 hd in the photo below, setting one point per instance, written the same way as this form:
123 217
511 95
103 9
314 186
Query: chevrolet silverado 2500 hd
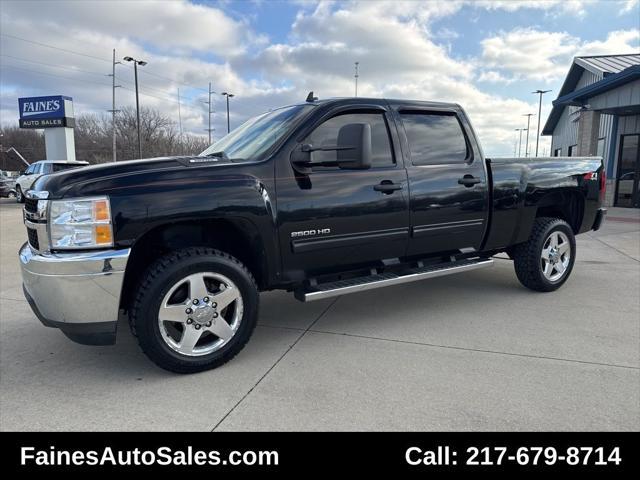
322 199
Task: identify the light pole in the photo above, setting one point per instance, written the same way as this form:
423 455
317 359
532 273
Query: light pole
539 92
356 76
228 95
520 140
142 63
526 147
113 105
210 111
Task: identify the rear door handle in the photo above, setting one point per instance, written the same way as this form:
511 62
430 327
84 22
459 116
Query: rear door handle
387 186
469 181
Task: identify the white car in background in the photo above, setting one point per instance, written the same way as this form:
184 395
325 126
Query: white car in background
37 169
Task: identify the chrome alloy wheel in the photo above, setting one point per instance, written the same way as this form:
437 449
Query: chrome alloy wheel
200 314
555 256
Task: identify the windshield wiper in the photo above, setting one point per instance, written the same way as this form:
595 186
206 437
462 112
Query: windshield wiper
219 154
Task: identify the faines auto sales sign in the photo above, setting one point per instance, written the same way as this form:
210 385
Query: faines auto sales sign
46 112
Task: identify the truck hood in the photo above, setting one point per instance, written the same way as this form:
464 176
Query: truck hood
56 184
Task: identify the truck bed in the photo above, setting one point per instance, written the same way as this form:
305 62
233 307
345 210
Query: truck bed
524 186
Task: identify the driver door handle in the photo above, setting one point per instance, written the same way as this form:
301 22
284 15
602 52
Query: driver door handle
387 186
469 181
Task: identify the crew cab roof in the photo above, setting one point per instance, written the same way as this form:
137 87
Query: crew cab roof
371 100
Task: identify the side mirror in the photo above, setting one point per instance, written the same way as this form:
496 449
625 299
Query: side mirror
353 150
354 143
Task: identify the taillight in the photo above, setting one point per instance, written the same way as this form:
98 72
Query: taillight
602 179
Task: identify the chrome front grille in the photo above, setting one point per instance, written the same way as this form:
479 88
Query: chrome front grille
31 205
35 219
32 233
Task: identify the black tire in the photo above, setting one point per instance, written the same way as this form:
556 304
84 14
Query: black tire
155 284
527 256
19 195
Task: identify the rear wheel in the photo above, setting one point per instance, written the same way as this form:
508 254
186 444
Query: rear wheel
544 262
195 310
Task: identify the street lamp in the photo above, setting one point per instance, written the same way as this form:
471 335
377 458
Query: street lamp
520 140
356 76
228 95
142 63
539 92
526 148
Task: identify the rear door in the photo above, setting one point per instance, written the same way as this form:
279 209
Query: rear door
449 203
333 218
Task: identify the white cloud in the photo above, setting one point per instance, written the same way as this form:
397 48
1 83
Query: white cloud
628 6
617 42
573 7
398 59
399 54
531 54
526 52
491 76
167 25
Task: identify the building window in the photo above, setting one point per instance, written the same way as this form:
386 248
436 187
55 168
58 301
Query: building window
572 150
557 152
600 149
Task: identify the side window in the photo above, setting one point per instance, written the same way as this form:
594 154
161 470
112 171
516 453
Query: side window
47 168
434 138
37 168
327 134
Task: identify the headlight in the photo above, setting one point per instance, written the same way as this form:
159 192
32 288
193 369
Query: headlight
80 223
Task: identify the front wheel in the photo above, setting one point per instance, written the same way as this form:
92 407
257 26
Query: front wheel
544 262
195 309
19 194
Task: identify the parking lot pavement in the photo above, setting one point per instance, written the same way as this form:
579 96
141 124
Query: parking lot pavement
468 352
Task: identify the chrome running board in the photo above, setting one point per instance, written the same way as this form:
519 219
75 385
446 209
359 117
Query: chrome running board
359 284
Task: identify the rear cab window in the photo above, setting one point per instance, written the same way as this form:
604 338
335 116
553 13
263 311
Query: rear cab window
58 167
435 138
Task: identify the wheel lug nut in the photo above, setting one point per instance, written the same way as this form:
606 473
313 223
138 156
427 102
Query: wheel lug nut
208 324
195 301
214 304
215 315
197 326
189 321
189 311
205 299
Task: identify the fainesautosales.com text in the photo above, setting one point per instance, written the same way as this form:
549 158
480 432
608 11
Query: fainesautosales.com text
188 456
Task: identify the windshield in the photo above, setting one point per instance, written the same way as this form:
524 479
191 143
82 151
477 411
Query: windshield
255 136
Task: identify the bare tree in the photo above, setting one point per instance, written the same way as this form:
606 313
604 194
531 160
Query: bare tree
160 137
30 143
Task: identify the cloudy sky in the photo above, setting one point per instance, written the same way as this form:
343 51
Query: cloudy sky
488 55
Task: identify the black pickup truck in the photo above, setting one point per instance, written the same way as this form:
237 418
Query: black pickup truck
323 198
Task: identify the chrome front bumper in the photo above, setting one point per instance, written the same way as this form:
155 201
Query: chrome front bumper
76 292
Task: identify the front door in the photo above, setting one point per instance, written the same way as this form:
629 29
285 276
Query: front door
449 202
627 194
334 218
